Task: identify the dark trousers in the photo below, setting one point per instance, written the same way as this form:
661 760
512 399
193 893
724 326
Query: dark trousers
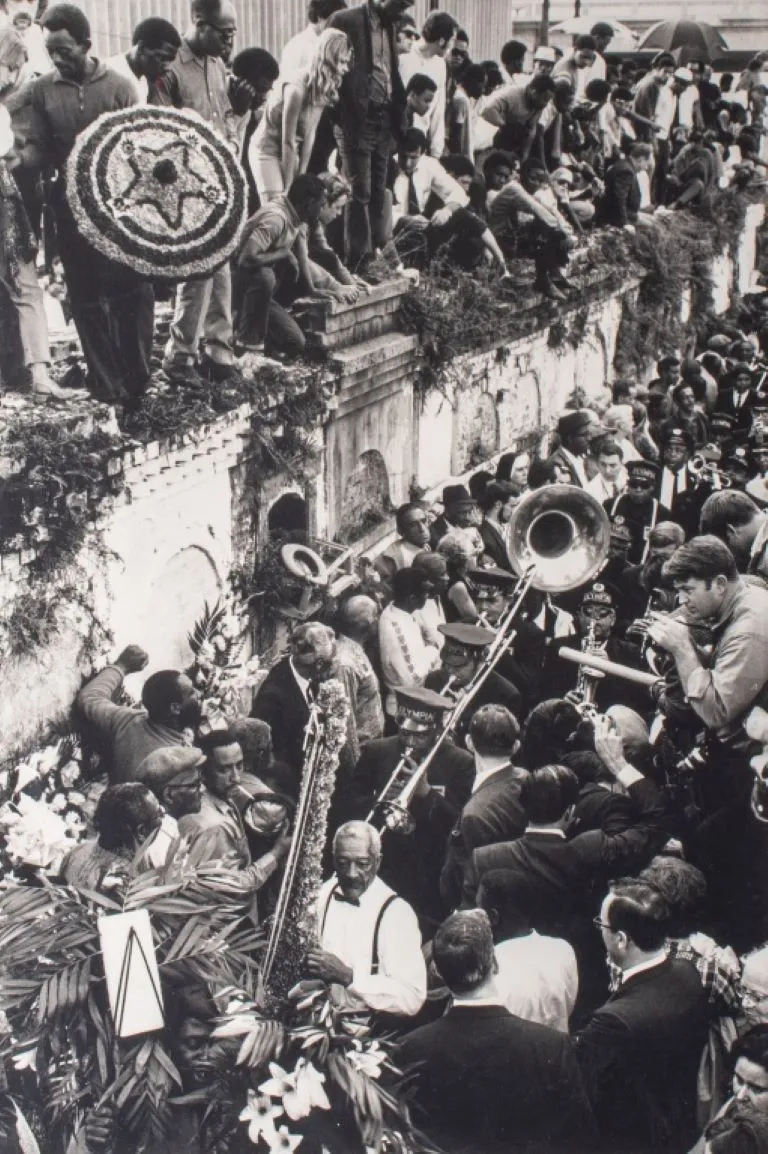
113 310
661 172
261 318
547 246
364 162
459 240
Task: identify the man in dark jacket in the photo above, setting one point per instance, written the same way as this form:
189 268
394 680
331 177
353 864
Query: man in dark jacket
640 1053
494 812
484 1079
371 109
620 203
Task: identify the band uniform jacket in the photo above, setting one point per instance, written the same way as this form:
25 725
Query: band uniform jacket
640 1056
492 814
354 94
487 1081
411 861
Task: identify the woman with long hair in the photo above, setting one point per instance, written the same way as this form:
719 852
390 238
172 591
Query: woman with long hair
282 144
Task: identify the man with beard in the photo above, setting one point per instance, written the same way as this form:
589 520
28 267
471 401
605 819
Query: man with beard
639 507
171 706
497 503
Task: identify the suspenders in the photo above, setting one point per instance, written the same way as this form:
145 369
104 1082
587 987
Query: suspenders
379 919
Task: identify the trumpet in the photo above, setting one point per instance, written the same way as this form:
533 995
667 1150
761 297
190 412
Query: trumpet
586 682
706 473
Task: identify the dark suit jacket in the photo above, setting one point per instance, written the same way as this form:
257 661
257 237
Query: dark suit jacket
494 546
281 704
492 814
620 203
355 87
565 874
639 1056
487 1081
452 772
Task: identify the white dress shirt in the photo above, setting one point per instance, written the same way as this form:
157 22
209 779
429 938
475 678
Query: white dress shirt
400 984
414 62
429 176
538 979
651 964
603 490
672 483
406 658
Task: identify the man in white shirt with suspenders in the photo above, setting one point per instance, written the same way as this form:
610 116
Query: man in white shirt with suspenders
369 940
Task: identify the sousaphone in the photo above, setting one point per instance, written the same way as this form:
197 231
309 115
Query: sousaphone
560 534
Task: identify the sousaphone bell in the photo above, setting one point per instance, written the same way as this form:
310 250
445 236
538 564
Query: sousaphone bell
562 534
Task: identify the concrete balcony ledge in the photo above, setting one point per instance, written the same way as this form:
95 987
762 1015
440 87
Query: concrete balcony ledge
333 325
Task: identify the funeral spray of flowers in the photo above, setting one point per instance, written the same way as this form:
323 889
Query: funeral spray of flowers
284 1069
223 679
46 803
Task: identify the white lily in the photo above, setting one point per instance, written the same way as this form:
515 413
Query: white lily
260 1113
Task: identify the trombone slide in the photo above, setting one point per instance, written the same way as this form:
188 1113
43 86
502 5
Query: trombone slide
603 665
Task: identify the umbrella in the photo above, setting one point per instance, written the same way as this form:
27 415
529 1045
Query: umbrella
582 25
697 41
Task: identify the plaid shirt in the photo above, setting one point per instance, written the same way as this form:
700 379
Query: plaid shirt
719 979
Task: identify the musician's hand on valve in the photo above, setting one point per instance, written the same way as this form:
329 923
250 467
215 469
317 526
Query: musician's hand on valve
327 966
670 634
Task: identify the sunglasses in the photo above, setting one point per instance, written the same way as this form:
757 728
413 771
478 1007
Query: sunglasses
224 33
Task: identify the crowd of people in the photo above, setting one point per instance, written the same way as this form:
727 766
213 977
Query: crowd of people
547 882
370 148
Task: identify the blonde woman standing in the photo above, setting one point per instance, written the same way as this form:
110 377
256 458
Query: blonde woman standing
282 144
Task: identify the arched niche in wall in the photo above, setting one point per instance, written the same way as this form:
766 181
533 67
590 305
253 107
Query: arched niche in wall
175 600
366 501
288 514
477 431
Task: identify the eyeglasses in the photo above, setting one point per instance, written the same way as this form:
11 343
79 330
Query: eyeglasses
224 33
750 998
600 924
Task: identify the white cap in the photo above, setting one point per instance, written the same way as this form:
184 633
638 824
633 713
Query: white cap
684 74
547 55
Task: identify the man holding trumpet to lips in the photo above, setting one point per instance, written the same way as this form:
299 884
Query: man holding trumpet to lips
722 680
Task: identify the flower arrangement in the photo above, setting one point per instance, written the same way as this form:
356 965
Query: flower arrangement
216 642
159 190
294 926
47 805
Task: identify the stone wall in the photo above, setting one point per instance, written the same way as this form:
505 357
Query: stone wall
187 512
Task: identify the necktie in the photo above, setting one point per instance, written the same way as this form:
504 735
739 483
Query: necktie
413 200
338 896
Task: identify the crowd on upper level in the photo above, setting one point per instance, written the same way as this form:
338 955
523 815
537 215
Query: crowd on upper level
371 148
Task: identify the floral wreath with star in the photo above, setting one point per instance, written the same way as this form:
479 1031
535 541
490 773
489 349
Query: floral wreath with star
158 190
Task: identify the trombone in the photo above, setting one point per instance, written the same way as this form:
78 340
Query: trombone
559 537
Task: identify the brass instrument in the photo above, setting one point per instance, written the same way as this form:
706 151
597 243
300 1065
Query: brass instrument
559 539
586 682
705 473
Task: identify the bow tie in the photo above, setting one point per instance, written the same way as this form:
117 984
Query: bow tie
338 896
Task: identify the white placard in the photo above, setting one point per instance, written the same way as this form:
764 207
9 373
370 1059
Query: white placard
130 968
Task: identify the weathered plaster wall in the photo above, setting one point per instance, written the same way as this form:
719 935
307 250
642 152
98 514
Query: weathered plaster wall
187 512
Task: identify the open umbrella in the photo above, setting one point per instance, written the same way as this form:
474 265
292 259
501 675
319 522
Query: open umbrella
695 39
581 26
